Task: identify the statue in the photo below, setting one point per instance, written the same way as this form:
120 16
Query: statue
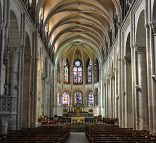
77 112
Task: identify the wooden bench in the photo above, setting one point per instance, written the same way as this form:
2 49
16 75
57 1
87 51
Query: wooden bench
103 133
53 134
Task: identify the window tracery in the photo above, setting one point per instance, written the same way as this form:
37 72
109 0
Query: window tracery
65 98
77 72
78 98
66 72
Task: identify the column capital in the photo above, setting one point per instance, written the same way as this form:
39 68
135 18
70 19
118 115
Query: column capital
139 50
153 27
127 59
3 25
13 47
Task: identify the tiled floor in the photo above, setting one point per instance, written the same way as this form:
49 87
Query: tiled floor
77 137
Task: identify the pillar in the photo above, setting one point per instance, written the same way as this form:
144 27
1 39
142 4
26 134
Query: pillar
13 75
153 55
4 124
142 119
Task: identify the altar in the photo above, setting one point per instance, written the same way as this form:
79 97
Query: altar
76 120
78 116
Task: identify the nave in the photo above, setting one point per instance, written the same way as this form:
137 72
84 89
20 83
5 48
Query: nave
75 61
77 137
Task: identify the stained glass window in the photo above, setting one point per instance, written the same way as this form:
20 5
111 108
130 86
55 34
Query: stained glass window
77 72
90 99
96 71
65 98
89 73
66 72
78 98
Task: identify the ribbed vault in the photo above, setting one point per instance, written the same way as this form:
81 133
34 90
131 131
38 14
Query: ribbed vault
87 22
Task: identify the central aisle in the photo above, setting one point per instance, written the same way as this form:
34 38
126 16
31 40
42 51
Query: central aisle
77 137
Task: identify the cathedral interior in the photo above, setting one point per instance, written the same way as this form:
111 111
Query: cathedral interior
78 60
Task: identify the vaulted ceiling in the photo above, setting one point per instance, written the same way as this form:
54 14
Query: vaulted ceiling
86 23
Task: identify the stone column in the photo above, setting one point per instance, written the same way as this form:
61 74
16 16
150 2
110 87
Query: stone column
55 90
153 55
128 92
113 94
122 93
52 92
104 96
110 98
116 94
142 119
13 90
2 71
119 93
106 99
4 124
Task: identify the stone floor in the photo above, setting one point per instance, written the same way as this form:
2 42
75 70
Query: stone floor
77 137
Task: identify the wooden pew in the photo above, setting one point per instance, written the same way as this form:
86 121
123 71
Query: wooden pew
103 133
53 134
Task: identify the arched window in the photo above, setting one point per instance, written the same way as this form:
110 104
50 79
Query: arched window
65 98
66 72
90 99
77 72
89 72
96 71
78 98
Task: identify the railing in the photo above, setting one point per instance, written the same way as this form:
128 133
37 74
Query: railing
8 105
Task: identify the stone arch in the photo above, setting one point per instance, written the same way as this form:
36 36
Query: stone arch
140 31
26 84
128 77
141 71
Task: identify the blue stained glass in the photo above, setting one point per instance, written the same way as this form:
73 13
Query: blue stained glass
78 98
